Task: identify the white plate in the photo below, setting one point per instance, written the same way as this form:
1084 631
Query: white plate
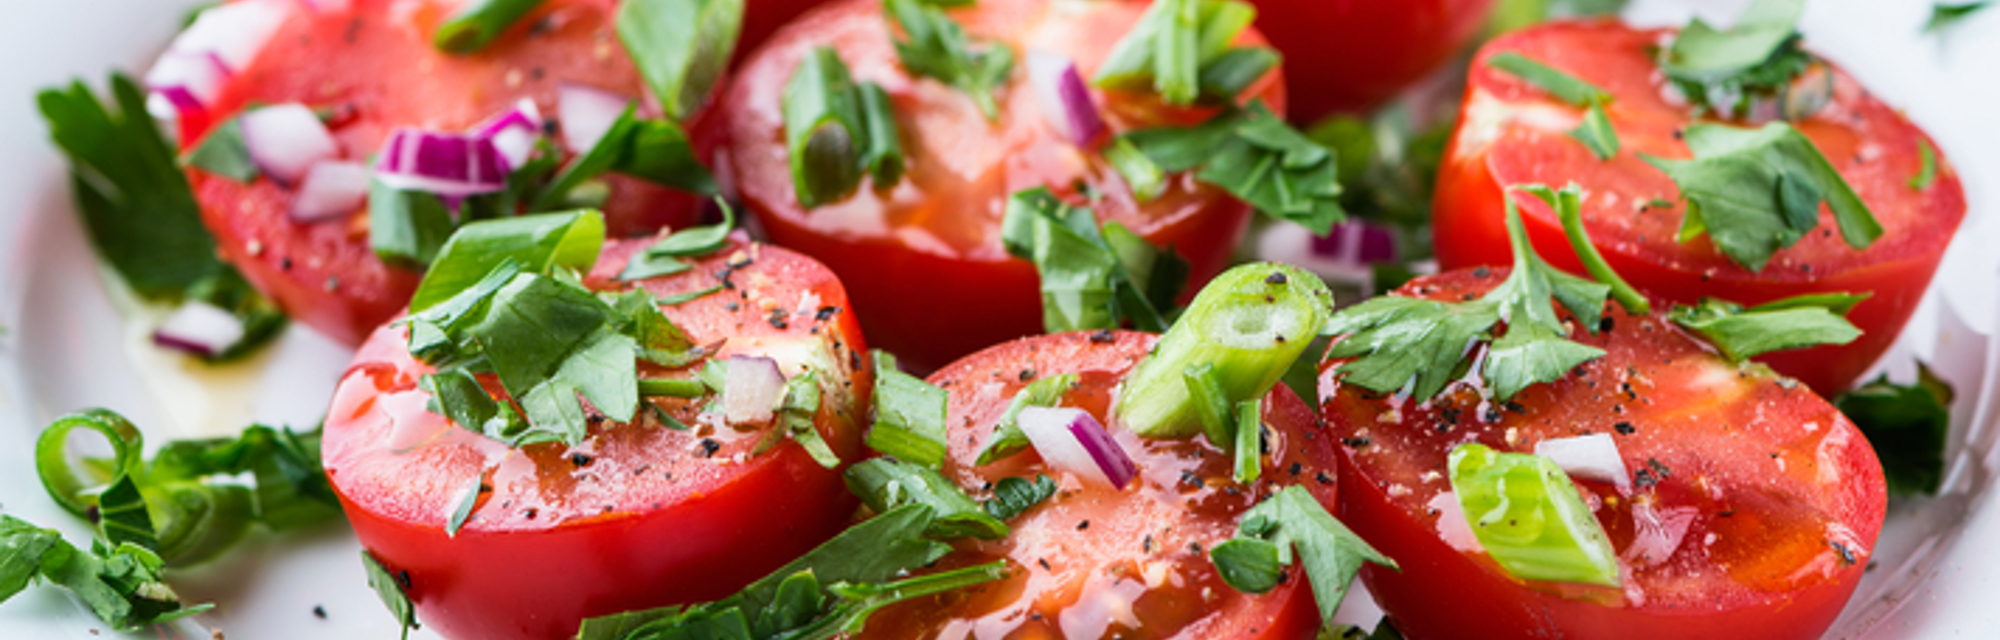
67 345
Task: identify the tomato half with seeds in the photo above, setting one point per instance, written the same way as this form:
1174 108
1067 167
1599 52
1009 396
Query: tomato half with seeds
924 258
638 515
1510 132
1752 512
388 75
1096 562
1353 56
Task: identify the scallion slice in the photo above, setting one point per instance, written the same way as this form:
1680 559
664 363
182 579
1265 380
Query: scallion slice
1528 515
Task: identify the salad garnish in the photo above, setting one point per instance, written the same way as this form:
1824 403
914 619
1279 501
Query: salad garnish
1726 72
909 415
680 46
477 23
1755 191
1908 425
1092 277
1527 514
393 588
1946 16
886 483
1291 525
1181 49
1595 132
1252 154
838 130
1007 438
938 48
1741 333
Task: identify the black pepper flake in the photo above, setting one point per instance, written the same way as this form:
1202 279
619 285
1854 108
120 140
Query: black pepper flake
1354 443
1605 325
709 446
1189 479
1659 468
1729 513
1194 547
1624 428
1045 564
1322 478
1083 525
777 320
1103 336
1283 577
581 459
1491 415
594 419
642 469
1678 134
1027 374
731 306
1147 546
1846 555
1296 468
529 513
319 611
92 514
1276 277
854 360
1481 272
537 73
826 313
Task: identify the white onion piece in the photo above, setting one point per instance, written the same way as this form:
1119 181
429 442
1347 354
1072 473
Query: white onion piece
1064 98
1656 534
1071 440
1592 457
587 113
331 190
183 81
452 165
287 139
751 391
513 132
199 328
235 32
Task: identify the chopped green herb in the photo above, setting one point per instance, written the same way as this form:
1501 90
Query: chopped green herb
1724 71
887 483
406 228
119 582
680 47
1176 44
663 257
909 416
1249 324
1908 425
937 47
1563 86
657 151
569 240
1211 404
1008 439
1792 323
1420 345
1091 278
478 23
836 131
1292 523
1945 16
1597 133
1754 191
393 591
224 153
1529 517
1232 73
1014 496
1927 170
1249 440
468 498
796 416
1144 177
1568 206
1255 156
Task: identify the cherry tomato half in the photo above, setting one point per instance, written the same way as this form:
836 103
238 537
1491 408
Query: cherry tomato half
386 74
1510 132
1352 56
1095 562
1752 513
923 259
639 515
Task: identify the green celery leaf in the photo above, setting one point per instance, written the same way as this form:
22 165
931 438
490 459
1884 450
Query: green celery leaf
1792 323
936 47
1294 523
1007 438
1563 86
909 417
887 483
680 47
1754 191
1015 496
224 153
1528 515
1908 426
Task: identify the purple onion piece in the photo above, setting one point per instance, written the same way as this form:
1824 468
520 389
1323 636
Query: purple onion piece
1071 440
1064 98
444 163
200 329
1356 243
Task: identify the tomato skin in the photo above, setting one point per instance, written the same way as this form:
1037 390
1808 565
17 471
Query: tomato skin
643 519
1874 147
761 18
389 76
1766 474
1092 545
923 259
1362 53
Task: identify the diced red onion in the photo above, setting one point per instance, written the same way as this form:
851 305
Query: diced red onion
221 41
287 139
1592 457
1357 243
331 190
1071 440
453 165
751 391
587 113
183 81
513 132
1064 98
199 328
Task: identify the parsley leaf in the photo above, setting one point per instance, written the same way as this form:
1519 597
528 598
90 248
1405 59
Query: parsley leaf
1723 71
1755 191
1181 50
680 46
1014 496
1908 425
1289 524
887 483
1945 16
1254 156
1091 277
837 130
657 151
1008 438
909 416
936 47
394 591
224 153
1791 323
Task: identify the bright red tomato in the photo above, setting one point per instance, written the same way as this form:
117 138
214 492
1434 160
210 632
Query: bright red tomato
1351 56
388 75
924 260
1753 512
1512 133
1094 562
638 516
761 18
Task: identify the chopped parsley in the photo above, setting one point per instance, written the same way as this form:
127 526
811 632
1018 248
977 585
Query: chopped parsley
120 582
1291 526
224 153
1908 426
1253 155
664 257
1092 277
1726 71
936 47
1181 49
393 590
1596 133
837 131
1792 323
1014 496
886 483
1926 168
1565 87
1755 191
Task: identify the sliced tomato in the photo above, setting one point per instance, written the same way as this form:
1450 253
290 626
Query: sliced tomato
638 515
1095 562
1753 510
761 18
924 259
1352 56
386 74
1510 133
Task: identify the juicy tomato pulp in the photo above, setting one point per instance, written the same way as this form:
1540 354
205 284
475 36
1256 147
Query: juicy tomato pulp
637 516
1513 133
375 70
1752 513
1094 562
1363 53
923 258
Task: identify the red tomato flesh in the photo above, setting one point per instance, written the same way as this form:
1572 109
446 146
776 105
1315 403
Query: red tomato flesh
638 516
1353 56
1755 515
388 75
1510 133
923 259
1094 562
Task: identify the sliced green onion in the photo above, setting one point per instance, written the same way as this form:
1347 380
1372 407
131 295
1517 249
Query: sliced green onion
1250 324
478 23
1529 517
1233 72
1249 440
1141 174
1211 403
883 159
672 388
824 130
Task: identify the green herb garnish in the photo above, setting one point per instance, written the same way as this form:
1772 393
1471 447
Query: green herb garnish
119 582
837 130
909 416
1945 16
887 483
478 23
1254 156
1565 87
1529 517
664 257
937 48
224 153
656 151
1927 167
1177 44
394 591
1091 277
1908 425
1792 323
1755 191
1008 439
680 46
1014 496
1292 524
1596 133
1724 71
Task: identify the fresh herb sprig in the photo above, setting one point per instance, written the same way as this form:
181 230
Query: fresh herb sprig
1181 49
1755 191
937 47
1908 426
1292 526
1092 277
1792 323
1726 71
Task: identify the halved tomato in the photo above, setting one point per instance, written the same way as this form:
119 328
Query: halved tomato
638 515
1510 132
1352 56
924 259
1095 562
374 68
1752 512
